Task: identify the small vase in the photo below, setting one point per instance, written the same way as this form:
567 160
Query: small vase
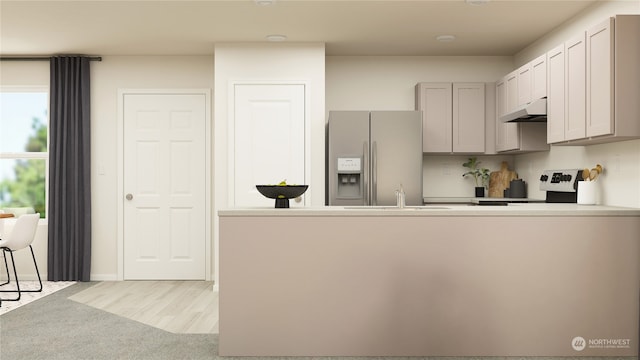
479 191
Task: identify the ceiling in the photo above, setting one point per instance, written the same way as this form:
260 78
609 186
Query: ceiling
360 27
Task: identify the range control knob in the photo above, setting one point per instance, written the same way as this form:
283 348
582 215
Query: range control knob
544 178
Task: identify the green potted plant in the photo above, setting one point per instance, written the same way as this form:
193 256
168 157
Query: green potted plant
481 175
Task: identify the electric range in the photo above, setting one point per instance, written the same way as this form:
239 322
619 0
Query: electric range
561 185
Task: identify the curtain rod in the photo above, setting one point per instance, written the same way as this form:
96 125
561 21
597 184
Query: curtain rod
40 58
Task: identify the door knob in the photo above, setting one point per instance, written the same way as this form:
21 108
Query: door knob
129 196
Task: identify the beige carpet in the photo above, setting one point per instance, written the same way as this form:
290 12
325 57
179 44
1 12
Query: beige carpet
48 288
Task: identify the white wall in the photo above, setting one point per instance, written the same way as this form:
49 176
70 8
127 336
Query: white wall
107 77
268 62
387 83
619 185
592 15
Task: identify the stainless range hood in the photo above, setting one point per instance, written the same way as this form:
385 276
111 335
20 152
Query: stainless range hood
535 111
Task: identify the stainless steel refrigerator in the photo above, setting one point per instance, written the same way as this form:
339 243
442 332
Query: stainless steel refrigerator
370 154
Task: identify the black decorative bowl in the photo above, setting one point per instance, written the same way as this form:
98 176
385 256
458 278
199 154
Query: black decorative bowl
282 193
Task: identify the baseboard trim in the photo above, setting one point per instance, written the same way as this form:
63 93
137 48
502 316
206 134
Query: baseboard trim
104 277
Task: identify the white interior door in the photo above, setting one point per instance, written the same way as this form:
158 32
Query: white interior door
269 140
164 182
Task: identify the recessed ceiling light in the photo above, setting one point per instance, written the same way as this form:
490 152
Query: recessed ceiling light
265 2
445 38
276 38
477 2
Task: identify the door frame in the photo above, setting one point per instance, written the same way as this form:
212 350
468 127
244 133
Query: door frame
120 175
231 134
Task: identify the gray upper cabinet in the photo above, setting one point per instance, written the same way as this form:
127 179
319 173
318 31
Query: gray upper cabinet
575 88
453 117
507 138
555 94
511 93
539 77
530 82
597 99
435 100
600 114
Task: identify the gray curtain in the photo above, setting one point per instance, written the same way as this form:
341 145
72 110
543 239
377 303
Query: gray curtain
69 214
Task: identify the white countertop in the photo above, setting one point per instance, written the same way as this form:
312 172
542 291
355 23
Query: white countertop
475 200
515 209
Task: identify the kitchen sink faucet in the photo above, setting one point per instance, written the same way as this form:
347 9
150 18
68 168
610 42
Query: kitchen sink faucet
400 197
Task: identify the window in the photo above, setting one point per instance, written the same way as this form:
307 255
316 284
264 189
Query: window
24 120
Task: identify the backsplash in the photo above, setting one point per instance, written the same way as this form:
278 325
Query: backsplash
619 184
442 174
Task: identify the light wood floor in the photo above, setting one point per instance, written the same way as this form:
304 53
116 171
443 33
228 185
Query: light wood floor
183 307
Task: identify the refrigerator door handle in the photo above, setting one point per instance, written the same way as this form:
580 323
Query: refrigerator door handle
374 173
365 172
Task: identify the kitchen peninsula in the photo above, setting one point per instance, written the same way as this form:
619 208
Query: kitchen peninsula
517 280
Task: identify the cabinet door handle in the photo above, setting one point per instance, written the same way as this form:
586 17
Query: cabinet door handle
129 197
